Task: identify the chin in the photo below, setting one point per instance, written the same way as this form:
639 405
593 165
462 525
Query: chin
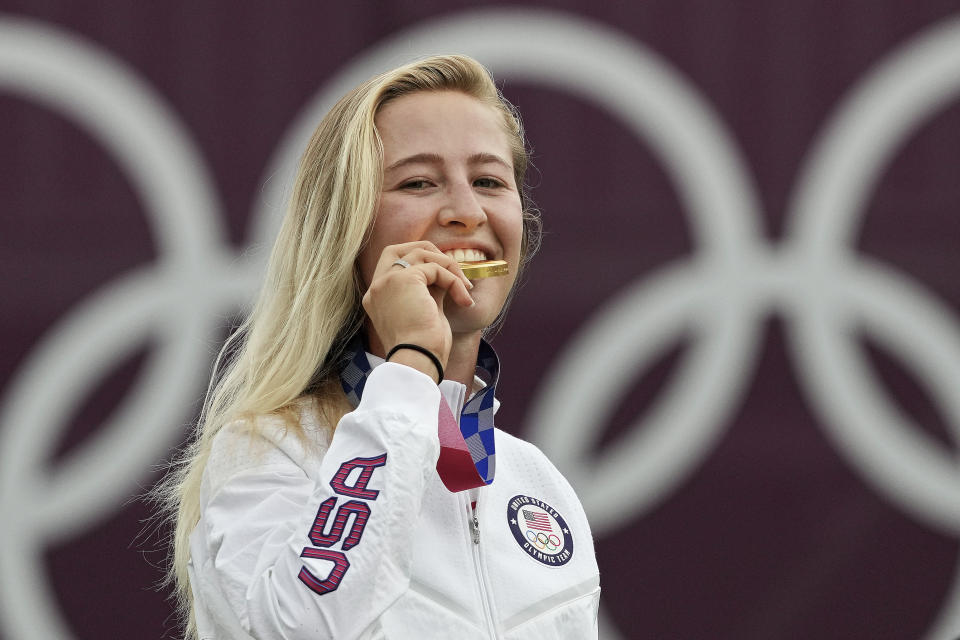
476 318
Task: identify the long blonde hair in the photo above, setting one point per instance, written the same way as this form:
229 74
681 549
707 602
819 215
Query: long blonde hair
292 342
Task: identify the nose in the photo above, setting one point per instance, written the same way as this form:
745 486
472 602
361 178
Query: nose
461 208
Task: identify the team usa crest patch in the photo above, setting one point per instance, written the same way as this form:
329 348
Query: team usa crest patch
540 531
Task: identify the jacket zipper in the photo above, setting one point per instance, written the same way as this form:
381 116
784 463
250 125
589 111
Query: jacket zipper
481 580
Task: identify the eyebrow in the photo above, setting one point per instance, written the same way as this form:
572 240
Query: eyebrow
433 158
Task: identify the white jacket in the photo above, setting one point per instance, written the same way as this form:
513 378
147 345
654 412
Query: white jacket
355 536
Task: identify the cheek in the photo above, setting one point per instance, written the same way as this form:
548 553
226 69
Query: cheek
367 262
513 234
391 226
370 255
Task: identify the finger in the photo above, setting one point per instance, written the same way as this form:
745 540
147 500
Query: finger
427 252
400 262
394 251
447 282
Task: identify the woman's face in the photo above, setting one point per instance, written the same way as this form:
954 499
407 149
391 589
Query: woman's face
448 178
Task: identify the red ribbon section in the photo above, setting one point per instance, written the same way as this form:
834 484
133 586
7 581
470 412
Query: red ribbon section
455 464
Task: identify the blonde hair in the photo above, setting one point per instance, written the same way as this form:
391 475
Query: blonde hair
293 341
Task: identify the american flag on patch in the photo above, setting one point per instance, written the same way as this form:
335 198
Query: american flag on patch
539 521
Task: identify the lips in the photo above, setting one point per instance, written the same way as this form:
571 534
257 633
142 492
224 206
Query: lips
466 255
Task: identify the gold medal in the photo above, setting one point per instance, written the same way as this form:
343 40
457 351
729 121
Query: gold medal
485 269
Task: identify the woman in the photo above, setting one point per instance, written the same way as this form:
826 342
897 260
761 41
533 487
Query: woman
329 492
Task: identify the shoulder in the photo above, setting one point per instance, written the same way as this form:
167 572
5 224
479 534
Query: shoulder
294 430
526 460
295 438
521 450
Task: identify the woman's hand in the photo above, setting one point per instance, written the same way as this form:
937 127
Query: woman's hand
405 304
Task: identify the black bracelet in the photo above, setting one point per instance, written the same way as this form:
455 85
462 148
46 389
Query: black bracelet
434 359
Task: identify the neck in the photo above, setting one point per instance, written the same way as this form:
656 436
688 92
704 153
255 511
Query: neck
462 363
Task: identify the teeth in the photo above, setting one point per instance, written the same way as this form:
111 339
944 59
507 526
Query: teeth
467 255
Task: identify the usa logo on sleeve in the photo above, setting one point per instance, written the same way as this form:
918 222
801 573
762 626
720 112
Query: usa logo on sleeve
540 530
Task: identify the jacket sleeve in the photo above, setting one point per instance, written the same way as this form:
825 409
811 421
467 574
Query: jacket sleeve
287 552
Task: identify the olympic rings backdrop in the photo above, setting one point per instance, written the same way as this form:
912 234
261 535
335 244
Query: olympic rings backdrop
741 341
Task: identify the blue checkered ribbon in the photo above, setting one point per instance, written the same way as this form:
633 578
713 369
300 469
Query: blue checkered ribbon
354 374
476 419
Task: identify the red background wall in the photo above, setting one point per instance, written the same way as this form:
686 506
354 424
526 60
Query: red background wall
774 522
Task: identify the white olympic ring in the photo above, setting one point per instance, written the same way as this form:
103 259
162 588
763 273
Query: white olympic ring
734 275
166 302
821 291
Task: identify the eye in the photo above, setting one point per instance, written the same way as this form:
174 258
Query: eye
487 183
415 185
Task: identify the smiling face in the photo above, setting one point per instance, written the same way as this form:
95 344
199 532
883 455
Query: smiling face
448 178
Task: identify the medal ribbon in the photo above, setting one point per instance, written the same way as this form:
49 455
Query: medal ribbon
467 451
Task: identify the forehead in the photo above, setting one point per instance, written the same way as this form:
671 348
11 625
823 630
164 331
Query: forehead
448 123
